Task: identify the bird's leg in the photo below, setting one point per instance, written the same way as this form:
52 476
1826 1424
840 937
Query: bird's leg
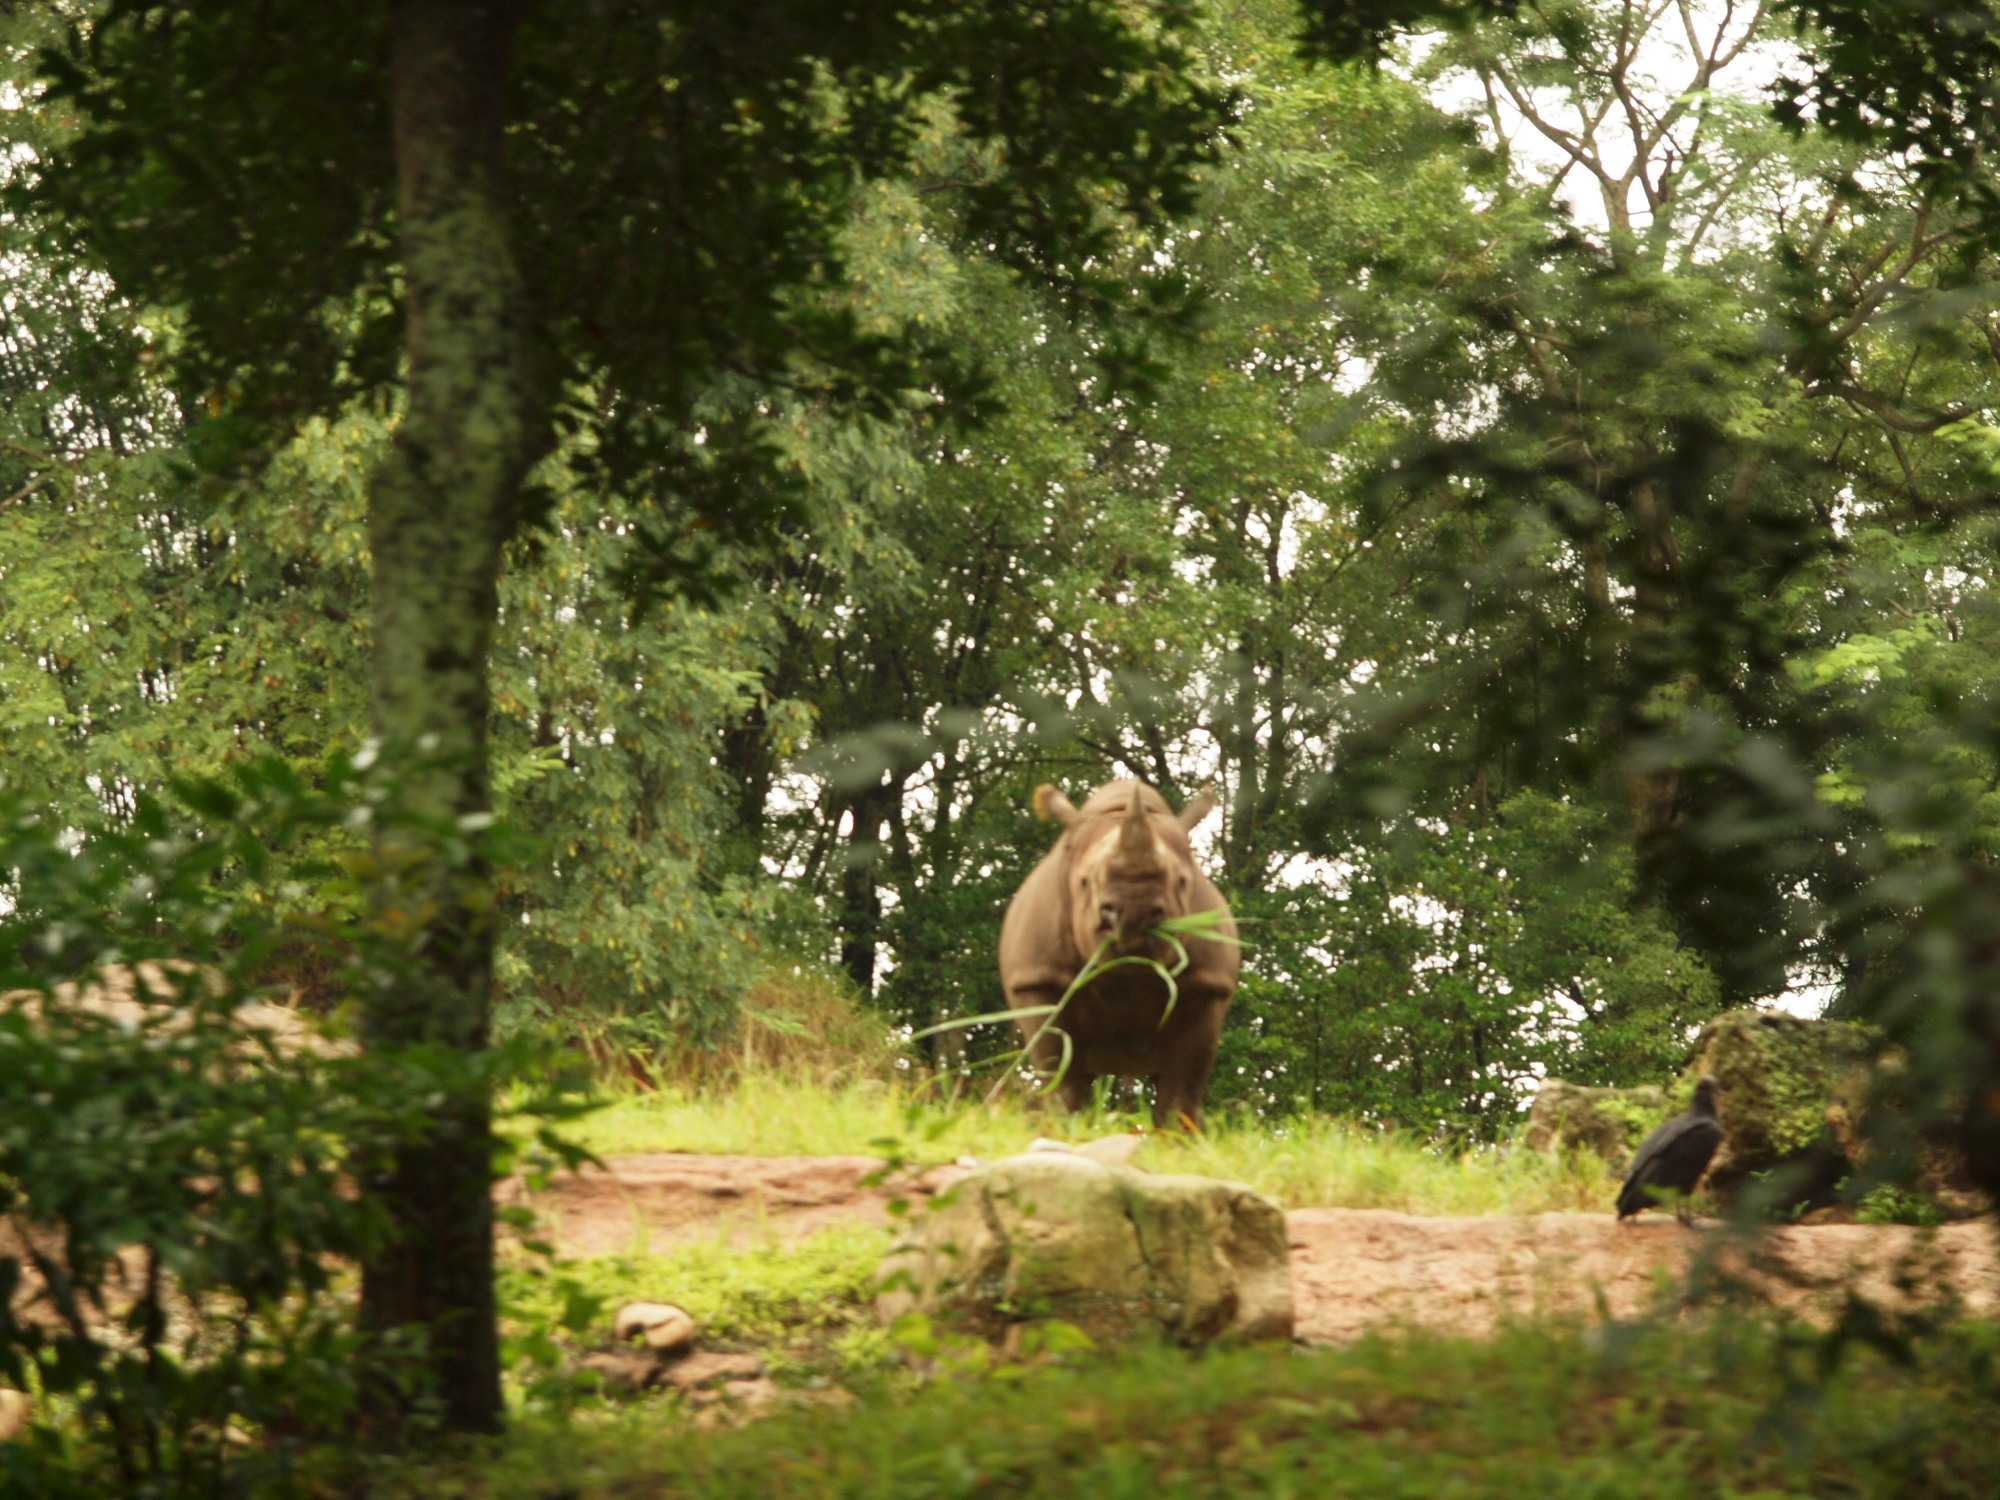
1685 1215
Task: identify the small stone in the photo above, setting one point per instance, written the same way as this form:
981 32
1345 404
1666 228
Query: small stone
701 1368
1113 1150
664 1326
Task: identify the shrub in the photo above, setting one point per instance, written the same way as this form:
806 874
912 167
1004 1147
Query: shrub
178 1217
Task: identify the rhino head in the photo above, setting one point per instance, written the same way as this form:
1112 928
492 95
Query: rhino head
1128 873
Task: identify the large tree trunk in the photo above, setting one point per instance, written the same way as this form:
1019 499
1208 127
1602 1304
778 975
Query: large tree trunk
439 513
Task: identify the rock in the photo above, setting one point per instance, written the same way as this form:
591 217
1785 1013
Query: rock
1945 1176
1793 1091
1779 1075
706 1366
1113 1250
17 1413
1945 1187
1608 1123
1112 1150
664 1326
622 1369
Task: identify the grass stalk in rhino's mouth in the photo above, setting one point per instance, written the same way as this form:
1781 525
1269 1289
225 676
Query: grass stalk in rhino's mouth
1201 924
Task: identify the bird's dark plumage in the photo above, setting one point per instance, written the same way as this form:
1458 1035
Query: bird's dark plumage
1675 1155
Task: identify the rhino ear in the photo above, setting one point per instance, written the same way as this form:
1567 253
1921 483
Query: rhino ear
1199 806
1052 806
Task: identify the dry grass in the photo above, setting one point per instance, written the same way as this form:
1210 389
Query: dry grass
796 1022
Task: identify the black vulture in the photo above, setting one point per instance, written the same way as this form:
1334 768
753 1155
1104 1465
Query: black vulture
1674 1156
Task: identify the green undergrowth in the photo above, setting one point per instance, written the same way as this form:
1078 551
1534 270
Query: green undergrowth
804 1306
1314 1161
1669 1412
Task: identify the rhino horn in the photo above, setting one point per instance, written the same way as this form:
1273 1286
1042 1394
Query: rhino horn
1136 854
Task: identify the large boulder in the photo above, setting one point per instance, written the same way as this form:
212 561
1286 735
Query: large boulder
1608 1123
1780 1075
1794 1092
1115 1251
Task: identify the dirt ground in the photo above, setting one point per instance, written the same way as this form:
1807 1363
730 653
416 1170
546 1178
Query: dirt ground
1352 1269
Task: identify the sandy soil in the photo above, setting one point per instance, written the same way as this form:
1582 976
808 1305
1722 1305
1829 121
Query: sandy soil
661 1198
1352 1269
1355 1269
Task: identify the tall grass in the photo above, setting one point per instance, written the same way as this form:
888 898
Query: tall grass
1300 1163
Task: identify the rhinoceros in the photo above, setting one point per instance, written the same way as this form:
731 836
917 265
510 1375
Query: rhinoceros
1122 865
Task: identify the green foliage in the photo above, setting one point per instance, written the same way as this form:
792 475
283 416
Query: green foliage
1434 982
1895 1205
688 291
1085 589
175 1175
238 626
1117 593
1672 1412
176 1161
1906 78
1584 603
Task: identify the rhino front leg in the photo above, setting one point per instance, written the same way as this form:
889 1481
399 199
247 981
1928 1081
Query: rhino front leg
1045 1053
1075 1089
1184 1080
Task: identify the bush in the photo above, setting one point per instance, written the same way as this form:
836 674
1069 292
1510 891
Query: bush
794 1021
177 1162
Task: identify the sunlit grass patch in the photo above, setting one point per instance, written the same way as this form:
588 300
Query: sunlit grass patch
805 1306
1314 1161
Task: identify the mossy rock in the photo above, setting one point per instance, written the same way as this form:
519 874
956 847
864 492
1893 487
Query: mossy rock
1113 1251
1608 1123
1784 1079
1945 1187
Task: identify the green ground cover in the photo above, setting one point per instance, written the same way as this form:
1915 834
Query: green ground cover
1659 1412
805 1307
1314 1161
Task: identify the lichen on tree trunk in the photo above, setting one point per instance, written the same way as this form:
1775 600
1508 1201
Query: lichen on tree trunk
440 511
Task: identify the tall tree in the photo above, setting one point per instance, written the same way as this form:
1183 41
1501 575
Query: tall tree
482 206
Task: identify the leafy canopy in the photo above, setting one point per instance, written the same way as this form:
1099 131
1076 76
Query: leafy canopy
679 177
